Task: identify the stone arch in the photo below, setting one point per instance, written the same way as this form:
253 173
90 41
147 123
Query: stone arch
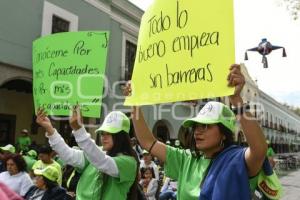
10 72
22 78
17 110
18 84
162 129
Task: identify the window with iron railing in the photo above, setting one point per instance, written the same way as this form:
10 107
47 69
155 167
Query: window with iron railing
129 59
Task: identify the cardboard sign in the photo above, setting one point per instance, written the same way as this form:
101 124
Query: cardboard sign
184 52
68 69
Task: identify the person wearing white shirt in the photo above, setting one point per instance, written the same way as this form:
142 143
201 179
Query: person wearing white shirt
149 183
16 177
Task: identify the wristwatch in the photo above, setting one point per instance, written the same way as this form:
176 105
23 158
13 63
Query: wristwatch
240 109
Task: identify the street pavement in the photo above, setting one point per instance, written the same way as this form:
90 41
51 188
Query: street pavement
291 185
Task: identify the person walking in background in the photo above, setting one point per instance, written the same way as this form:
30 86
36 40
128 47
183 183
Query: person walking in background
110 175
23 141
218 169
16 177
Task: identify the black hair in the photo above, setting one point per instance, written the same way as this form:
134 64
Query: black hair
122 145
229 139
49 184
144 169
18 160
46 149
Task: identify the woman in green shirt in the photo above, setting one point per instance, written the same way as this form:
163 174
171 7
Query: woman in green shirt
213 130
104 176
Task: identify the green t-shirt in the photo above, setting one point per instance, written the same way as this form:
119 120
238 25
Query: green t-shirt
23 143
270 152
188 170
29 162
40 165
91 180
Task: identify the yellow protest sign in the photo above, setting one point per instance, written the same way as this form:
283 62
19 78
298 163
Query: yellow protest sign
184 52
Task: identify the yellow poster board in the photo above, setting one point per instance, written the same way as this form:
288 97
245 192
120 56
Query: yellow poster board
185 49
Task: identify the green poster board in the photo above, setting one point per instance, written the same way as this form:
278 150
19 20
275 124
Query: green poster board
69 69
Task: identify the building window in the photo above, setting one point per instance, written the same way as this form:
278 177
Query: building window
57 19
128 56
129 59
59 25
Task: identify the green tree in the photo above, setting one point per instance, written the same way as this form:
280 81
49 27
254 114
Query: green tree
293 7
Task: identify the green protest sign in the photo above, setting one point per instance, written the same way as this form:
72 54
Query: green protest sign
69 69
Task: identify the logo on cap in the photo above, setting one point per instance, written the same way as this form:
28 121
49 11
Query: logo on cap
207 108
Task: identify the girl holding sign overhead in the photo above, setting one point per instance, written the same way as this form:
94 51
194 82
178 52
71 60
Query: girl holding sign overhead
219 169
110 175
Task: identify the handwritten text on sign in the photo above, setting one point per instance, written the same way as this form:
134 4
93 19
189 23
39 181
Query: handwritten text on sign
68 69
184 52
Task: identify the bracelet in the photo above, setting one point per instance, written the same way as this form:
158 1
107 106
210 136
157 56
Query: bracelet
241 109
154 142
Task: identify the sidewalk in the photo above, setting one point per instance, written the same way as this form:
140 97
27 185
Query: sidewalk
291 186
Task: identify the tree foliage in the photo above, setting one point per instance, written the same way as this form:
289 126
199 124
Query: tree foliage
293 7
293 108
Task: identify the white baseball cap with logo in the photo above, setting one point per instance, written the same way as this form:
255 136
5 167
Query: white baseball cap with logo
212 113
115 122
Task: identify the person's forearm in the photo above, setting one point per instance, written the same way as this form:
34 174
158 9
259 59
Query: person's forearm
254 135
68 155
143 134
253 132
97 157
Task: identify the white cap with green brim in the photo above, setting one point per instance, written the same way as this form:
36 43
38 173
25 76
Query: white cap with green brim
32 153
115 122
10 148
213 113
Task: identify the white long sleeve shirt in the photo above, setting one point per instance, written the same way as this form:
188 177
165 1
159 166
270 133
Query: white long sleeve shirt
90 150
20 182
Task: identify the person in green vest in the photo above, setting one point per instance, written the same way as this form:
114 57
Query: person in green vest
30 159
23 141
106 174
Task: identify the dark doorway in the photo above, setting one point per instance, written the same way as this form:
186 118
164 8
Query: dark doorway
7 129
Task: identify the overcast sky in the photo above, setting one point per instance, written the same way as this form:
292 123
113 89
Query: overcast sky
257 19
